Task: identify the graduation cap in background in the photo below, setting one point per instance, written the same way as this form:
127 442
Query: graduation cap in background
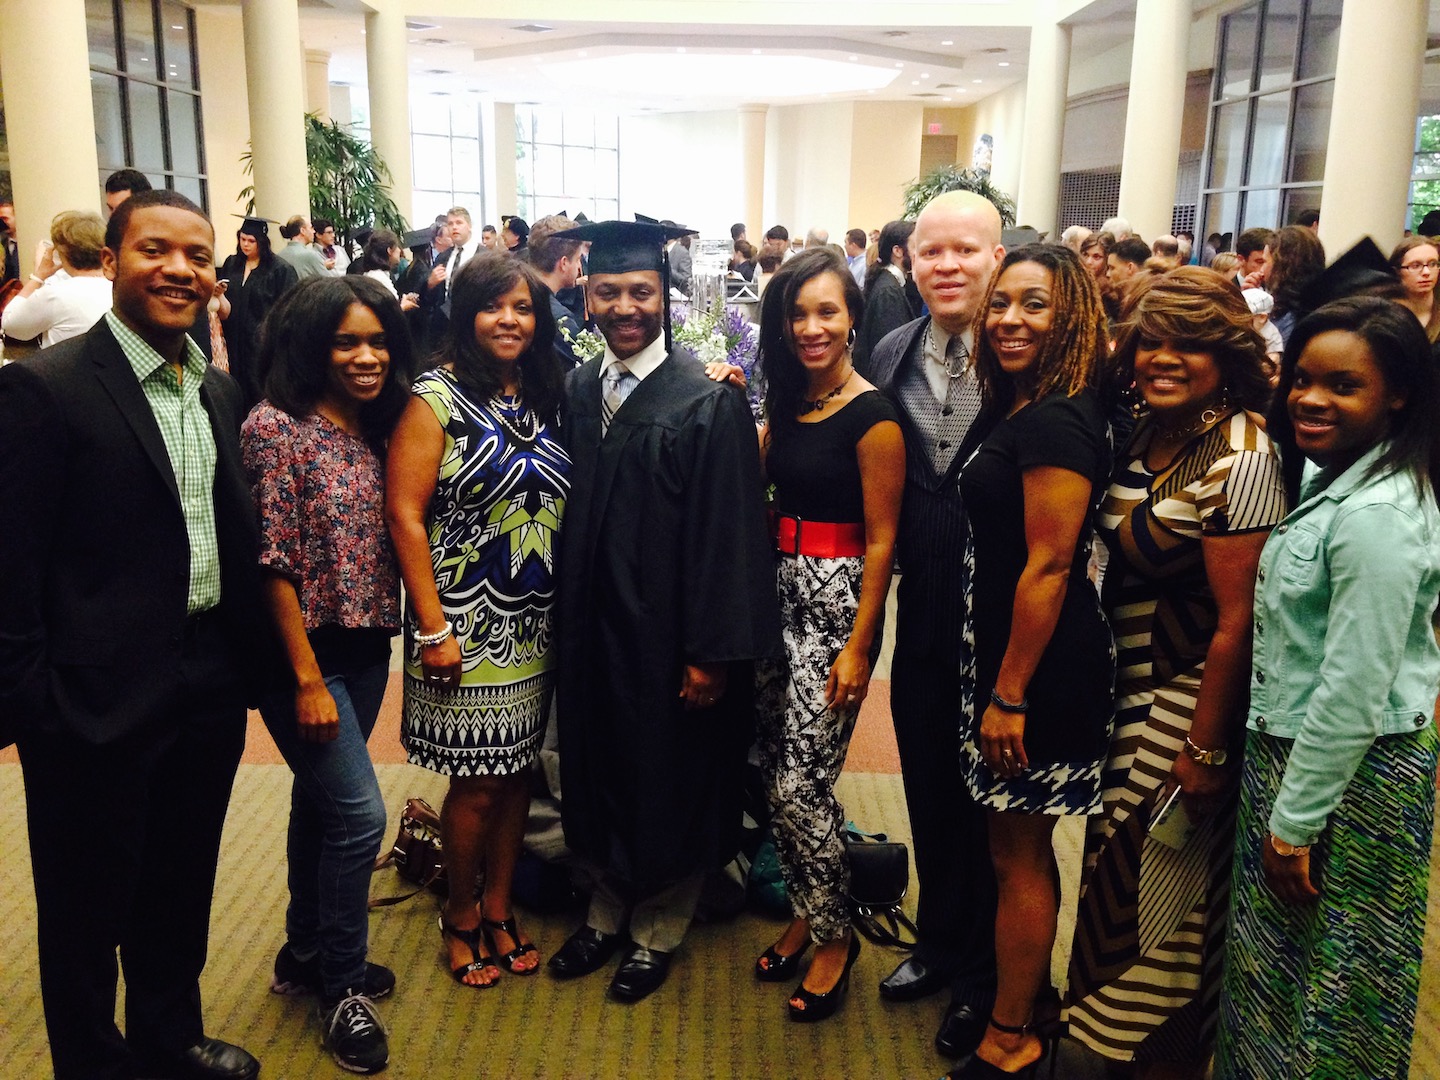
255 226
623 247
418 237
1362 270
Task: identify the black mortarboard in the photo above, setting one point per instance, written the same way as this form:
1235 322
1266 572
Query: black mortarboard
418 237
255 226
622 247
1363 269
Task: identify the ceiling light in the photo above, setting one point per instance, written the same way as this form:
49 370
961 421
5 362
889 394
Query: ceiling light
897 33
948 99
947 43
977 80
924 74
1004 63
899 64
533 28
914 82
176 26
852 58
416 24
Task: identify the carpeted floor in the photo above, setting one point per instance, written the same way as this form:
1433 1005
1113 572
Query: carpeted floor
711 1019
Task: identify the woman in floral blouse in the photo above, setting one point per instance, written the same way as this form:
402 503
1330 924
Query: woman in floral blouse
336 360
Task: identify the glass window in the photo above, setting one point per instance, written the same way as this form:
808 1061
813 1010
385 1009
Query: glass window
1222 212
1267 145
1237 59
547 125
140 54
1298 199
109 121
607 130
1321 42
1277 50
100 33
465 119
580 172
175 28
465 155
1262 208
579 129
1311 132
184 132
606 209
549 171
430 115
147 127
607 174
1227 145
192 187
432 157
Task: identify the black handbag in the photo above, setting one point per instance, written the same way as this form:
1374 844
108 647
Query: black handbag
879 880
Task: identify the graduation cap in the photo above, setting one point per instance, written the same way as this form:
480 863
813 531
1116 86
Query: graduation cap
623 247
418 237
1361 270
255 226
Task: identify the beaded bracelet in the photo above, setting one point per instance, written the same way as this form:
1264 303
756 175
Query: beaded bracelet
437 637
1021 706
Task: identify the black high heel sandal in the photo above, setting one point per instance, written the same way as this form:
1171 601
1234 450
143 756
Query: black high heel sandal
820 1006
509 929
977 1068
777 967
479 960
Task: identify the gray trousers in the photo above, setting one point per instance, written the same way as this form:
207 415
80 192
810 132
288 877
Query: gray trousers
657 921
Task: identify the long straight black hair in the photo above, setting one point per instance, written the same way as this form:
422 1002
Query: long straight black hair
1402 353
296 339
785 379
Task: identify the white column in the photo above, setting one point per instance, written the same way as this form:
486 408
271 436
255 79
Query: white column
752 169
1370 152
389 80
276 93
49 117
1151 158
317 83
1046 87
504 197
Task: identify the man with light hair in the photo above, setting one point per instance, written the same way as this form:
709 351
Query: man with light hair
1117 227
1074 236
816 238
926 368
557 260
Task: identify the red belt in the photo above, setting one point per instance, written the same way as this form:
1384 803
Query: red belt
819 539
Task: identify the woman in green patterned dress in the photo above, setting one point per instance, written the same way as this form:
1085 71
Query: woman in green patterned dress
1337 801
475 488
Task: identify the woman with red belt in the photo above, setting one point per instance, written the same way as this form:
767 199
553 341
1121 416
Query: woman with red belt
833 449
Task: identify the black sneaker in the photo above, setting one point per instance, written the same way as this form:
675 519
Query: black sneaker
293 976
354 1035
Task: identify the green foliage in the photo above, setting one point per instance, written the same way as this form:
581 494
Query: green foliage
954 178
1425 194
349 182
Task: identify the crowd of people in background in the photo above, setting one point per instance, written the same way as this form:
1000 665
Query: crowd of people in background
1168 547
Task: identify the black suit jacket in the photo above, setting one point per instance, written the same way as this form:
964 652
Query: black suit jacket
95 552
932 516
887 308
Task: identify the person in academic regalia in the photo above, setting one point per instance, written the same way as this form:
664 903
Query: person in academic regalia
666 597
250 282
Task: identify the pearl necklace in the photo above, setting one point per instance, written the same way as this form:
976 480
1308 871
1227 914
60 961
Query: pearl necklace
522 413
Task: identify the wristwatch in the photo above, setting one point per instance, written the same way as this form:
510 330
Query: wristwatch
1205 757
1280 847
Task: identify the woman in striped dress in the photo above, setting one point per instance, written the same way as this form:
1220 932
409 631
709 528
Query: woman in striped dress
1337 795
1194 495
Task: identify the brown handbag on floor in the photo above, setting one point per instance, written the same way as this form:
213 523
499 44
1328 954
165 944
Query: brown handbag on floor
416 853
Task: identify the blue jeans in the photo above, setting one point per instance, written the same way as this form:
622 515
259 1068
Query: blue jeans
337 822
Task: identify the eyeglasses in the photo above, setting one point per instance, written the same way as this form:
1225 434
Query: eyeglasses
1432 266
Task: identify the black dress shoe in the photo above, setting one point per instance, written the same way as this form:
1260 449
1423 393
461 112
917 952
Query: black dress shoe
640 974
961 1031
913 980
209 1059
586 950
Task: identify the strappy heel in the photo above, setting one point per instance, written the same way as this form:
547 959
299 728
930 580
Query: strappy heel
977 1068
775 966
507 927
480 960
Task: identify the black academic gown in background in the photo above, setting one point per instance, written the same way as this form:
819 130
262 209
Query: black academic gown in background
665 561
250 300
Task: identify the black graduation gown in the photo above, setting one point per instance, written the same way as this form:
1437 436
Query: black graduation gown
250 301
664 560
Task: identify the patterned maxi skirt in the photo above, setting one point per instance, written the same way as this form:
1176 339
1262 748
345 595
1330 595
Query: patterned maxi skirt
1327 991
1150 931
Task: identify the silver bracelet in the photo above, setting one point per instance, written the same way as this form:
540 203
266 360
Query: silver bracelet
435 638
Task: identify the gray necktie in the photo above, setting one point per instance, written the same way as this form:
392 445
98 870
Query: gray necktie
956 356
615 388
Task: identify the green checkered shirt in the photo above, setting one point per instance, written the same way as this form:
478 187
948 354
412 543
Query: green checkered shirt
185 427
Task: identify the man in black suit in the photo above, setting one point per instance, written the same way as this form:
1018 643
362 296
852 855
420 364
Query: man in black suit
129 643
925 367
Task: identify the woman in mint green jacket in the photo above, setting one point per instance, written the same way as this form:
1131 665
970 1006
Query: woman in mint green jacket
1338 785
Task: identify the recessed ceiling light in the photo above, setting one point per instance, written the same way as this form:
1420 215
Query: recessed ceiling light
899 64
977 80
962 89
853 58
924 74
1004 63
416 24
914 82
947 99
947 43
534 28
176 26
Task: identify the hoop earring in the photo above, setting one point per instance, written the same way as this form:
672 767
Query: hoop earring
850 338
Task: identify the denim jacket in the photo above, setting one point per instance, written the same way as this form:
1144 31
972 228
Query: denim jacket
1344 650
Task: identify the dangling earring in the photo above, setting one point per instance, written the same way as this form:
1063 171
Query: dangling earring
1209 416
850 338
